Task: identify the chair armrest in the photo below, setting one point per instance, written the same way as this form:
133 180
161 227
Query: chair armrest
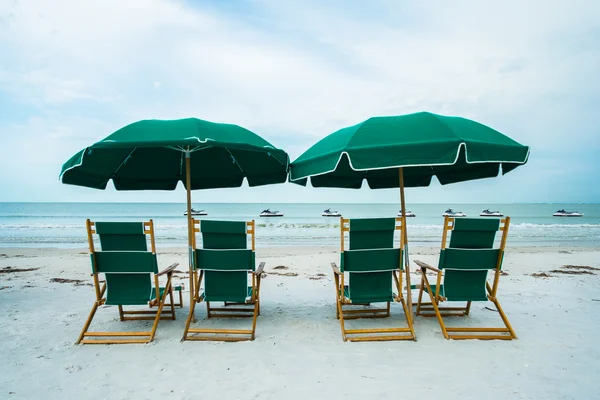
426 266
335 269
260 269
169 269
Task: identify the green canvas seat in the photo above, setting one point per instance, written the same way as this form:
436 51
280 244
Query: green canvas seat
373 269
462 275
131 278
227 267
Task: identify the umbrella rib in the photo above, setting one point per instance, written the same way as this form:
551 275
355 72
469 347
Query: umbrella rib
181 162
122 163
183 150
235 161
287 163
176 148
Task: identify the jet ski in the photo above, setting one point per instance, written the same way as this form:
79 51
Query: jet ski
329 213
408 214
451 213
563 213
196 212
269 213
488 213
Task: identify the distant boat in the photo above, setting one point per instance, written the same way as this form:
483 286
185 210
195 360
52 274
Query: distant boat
451 213
329 213
488 213
408 214
196 212
563 213
269 213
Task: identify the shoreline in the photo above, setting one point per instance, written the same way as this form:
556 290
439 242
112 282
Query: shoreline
304 249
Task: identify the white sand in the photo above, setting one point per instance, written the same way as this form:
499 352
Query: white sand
298 352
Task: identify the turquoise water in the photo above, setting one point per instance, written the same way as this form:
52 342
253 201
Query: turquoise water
63 224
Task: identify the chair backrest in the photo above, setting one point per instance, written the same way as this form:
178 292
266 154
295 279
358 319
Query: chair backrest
223 234
371 258
122 236
371 233
470 255
225 258
124 260
474 233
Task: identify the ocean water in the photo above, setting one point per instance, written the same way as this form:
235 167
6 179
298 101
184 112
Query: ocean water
63 224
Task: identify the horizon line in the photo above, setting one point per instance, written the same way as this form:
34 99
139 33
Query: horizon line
282 202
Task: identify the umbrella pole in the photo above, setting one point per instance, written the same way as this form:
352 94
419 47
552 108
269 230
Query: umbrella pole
188 185
405 234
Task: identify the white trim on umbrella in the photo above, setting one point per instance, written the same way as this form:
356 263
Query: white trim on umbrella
60 176
180 149
410 165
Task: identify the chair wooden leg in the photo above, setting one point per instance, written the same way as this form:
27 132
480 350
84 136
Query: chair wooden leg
121 315
87 322
435 307
258 292
197 280
468 308
341 318
504 319
189 319
208 309
160 308
172 303
408 319
256 308
338 292
420 295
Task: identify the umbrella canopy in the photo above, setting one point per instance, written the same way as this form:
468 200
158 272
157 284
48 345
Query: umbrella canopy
453 149
150 155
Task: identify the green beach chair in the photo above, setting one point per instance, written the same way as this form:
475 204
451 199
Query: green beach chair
374 268
462 275
224 264
129 269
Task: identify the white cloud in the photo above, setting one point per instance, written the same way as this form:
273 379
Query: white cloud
295 71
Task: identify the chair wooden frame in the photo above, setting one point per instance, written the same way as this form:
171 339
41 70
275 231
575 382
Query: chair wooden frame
86 337
433 309
174 288
249 309
342 302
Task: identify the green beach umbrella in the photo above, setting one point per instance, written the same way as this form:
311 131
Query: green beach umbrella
158 154
407 151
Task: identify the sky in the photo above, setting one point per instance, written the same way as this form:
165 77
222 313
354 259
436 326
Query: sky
72 72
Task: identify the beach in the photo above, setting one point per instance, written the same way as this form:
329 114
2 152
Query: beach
298 352
140 139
